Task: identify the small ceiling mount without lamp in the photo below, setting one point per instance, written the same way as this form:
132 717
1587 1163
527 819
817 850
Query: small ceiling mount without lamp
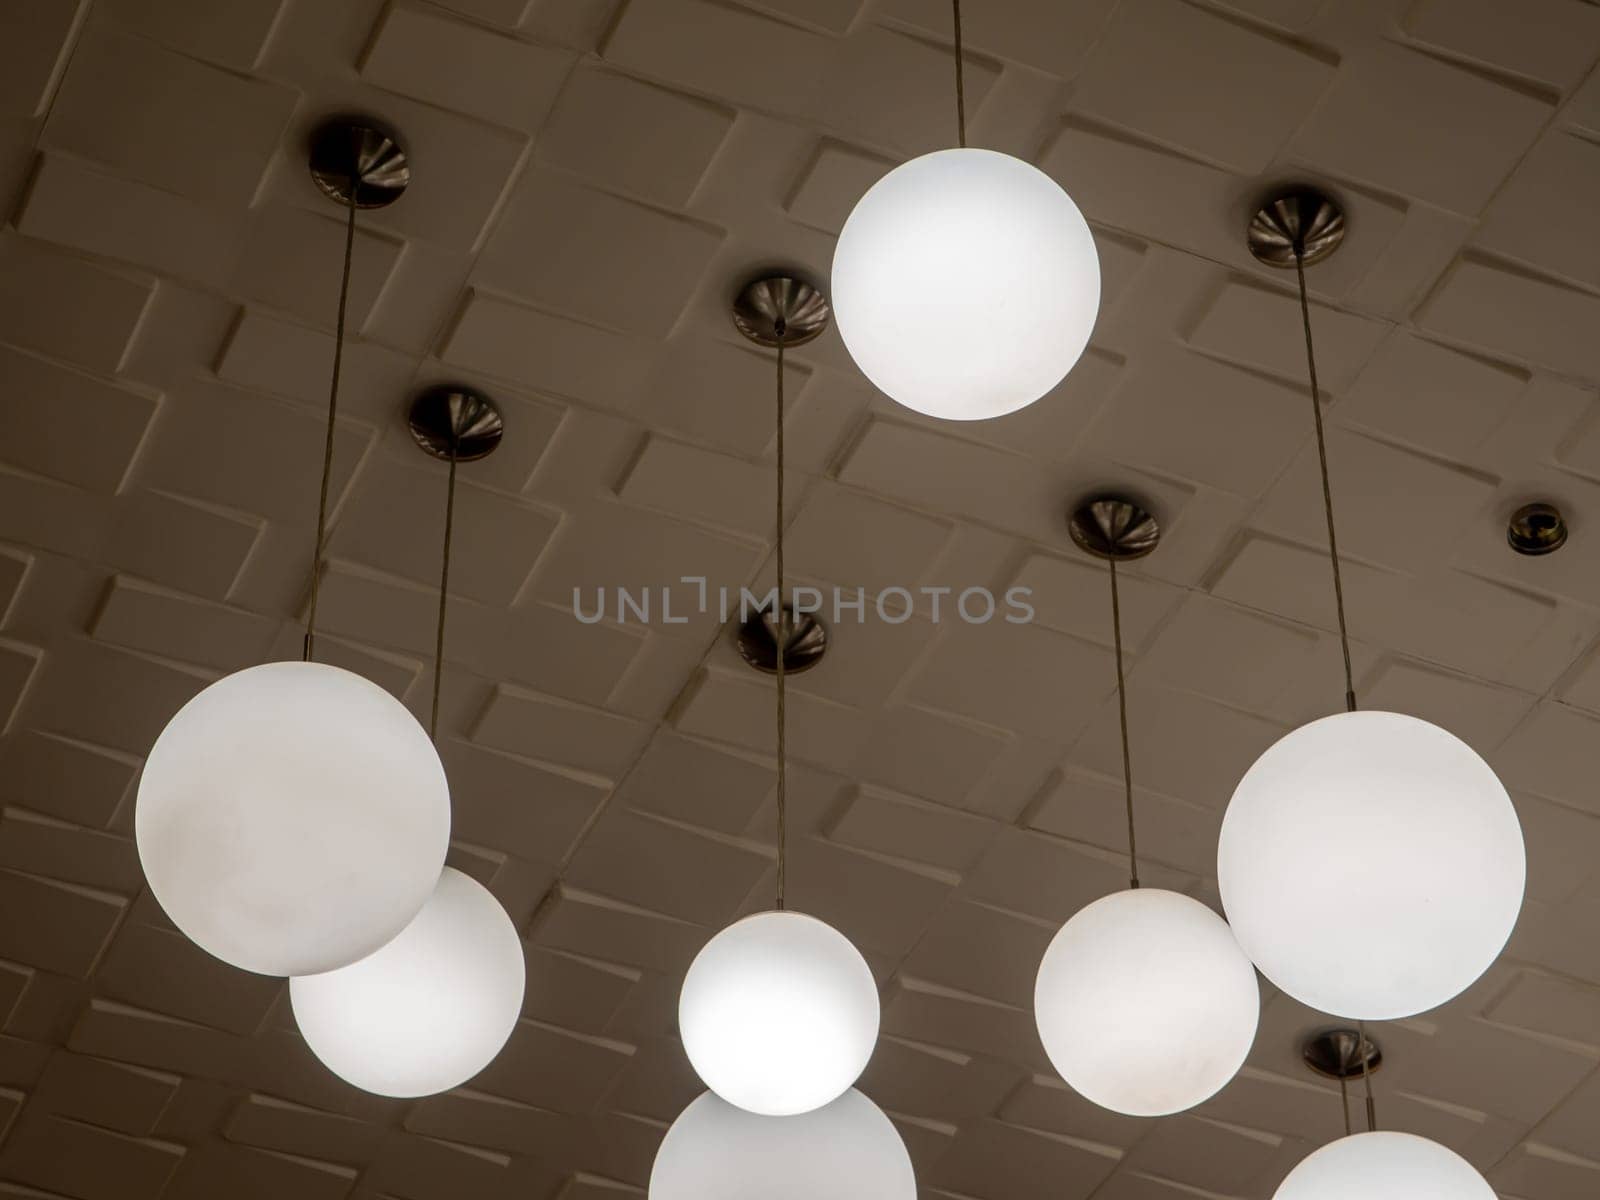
1537 529
363 150
452 414
1333 1054
1301 213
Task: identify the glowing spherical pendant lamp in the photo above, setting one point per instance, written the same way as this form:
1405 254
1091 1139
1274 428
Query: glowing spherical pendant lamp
1373 832
846 1150
1145 1003
292 818
965 284
429 1010
1390 837
1384 1166
779 1013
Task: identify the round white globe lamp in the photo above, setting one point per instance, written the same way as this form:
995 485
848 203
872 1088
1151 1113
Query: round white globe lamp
428 1011
965 284
778 1013
1371 865
846 1150
1384 1166
292 818
1145 1003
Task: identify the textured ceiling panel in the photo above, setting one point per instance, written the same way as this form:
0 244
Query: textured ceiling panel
592 180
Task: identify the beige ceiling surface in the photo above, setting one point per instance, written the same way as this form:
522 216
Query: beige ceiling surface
593 177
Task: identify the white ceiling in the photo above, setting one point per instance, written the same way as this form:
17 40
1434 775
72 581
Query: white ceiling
593 178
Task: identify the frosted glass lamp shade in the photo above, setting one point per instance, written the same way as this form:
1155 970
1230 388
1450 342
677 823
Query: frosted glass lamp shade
846 1150
429 1010
1145 1003
1371 865
292 818
778 1013
965 284
1384 1166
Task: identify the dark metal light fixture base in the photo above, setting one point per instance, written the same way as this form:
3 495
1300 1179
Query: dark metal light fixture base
1114 527
454 415
776 308
1299 214
1537 529
757 639
359 151
1334 1054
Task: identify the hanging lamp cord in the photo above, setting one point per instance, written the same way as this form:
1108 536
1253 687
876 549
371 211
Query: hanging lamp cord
1366 1075
1344 629
781 633
961 88
309 645
1327 488
444 586
1122 714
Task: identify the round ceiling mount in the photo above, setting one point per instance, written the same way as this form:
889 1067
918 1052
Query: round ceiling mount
1334 1054
453 415
806 640
1537 529
359 151
1114 527
774 308
1303 216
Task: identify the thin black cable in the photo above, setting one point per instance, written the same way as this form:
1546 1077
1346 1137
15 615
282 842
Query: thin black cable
1122 713
961 89
1327 488
1344 1101
444 589
309 644
780 328
1366 1074
1344 630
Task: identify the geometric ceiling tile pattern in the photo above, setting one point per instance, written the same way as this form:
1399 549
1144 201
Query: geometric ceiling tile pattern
593 178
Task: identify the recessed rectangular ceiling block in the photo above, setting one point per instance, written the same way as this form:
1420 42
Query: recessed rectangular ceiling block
232 34
33 53
292 260
1048 37
1410 124
1431 396
1522 222
1549 40
196 130
1250 324
71 203
419 51
917 115
553 354
633 136
597 257
1517 315
66 307
709 47
1199 83
76 428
